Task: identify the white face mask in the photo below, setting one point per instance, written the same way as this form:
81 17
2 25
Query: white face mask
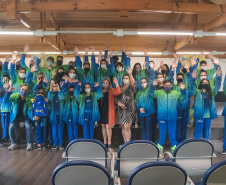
22 75
119 68
126 81
88 91
103 66
203 77
144 85
72 75
203 67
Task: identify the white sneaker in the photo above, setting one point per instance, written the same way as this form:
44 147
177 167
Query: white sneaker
29 147
12 147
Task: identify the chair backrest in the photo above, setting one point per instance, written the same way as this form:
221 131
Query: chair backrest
87 149
216 174
135 153
194 155
160 173
80 173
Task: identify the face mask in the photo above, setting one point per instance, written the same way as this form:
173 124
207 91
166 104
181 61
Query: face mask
71 93
184 70
179 80
203 67
71 67
72 75
59 62
203 77
105 86
205 86
103 66
87 91
164 71
167 89
144 85
23 93
126 81
49 63
119 69
21 75
17 67
138 70
86 69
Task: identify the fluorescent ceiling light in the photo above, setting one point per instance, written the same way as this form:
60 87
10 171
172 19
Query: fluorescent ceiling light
5 53
164 33
16 33
191 53
220 34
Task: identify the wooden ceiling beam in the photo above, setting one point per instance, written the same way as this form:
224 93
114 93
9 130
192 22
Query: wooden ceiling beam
217 22
11 12
54 21
162 6
25 20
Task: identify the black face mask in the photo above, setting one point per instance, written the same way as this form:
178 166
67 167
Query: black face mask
61 74
86 69
184 70
0 67
164 71
71 93
205 86
179 80
59 62
17 67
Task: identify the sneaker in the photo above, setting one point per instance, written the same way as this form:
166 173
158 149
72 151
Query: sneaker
2 144
60 147
172 149
38 147
223 152
12 147
29 147
160 150
43 147
54 147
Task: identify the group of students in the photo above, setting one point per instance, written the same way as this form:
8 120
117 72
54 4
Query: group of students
108 92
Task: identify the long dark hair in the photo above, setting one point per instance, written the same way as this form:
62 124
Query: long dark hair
209 92
134 70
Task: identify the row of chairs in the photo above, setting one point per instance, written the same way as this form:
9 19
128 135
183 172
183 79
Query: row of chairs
138 162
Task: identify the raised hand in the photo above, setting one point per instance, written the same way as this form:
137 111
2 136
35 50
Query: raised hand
108 45
92 49
174 64
111 53
76 50
194 74
96 84
219 71
86 51
79 84
146 53
182 87
41 55
161 64
215 60
11 89
193 61
7 58
115 80
129 71
123 47
155 82
26 48
128 54
14 56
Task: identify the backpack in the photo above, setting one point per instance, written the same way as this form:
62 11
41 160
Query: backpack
40 106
